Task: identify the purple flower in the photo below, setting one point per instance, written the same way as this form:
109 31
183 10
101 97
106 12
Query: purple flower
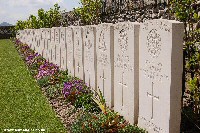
74 88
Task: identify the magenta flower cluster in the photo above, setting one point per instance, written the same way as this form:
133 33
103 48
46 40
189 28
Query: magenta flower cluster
47 69
74 87
31 58
43 67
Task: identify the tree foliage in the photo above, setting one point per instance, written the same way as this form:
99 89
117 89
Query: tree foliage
187 12
44 19
89 13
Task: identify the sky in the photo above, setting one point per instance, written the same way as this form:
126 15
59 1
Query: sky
13 10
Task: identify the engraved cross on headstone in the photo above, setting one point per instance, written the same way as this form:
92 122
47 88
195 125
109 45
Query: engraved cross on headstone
78 66
151 95
103 78
123 85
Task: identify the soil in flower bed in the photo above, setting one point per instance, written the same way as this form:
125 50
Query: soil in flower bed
65 111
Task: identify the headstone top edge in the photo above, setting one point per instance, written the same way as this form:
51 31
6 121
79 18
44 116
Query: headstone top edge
164 20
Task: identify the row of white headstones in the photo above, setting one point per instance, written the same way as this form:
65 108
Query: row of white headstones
136 66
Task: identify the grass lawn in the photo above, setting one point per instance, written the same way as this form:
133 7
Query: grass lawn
22 104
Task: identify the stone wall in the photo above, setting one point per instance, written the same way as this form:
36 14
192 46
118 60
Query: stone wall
137 66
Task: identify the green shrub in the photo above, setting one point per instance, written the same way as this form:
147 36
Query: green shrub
86 102
43 82
109 122
54 91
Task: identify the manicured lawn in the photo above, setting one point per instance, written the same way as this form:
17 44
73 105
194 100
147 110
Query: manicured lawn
22 104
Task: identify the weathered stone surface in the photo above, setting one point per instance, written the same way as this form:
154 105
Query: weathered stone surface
126 70
89 43
57 47
39 47
160 76
105 61
70 50
78 52
63 48
52 46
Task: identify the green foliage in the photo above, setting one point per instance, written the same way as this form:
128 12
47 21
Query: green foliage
100 100
87 103
89 13
45 19
43 82
187 12
183 9
195 93
109 122
59 78
54 91
54 84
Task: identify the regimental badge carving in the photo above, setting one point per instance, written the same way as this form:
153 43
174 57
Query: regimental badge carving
123 40
62 35
87 43
154 43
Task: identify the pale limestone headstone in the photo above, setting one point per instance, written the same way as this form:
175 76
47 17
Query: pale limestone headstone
47 43
39 46
160 76
31 38
89 43
63 49
52 49
57 46
26 36
70 50
126 70
20 34
34 40
78 52
105 61
43 41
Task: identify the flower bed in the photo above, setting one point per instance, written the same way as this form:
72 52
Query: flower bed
80 108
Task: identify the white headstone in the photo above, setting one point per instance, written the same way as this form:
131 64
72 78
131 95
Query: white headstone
89 43
78 52
126 70
63 48
105 61
28 37
57 46
160 75
70 50
47 43
34 43
52 49
39 46
43 42
19 35
24 36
